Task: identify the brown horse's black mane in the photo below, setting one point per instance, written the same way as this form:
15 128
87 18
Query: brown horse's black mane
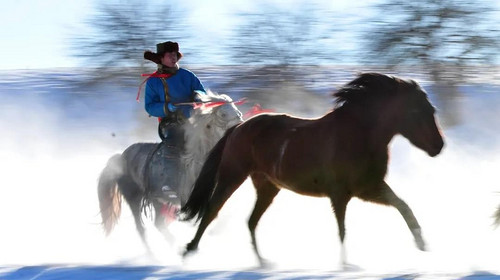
370 85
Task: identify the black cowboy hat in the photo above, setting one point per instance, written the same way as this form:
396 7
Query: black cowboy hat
161 49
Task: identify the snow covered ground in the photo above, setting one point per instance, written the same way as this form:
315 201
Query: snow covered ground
58 135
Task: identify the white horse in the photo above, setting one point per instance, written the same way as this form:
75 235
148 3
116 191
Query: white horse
128 175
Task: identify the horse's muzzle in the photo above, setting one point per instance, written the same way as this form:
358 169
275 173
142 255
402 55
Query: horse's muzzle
436 149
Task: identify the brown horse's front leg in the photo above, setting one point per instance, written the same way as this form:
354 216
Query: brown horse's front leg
383 194
339 205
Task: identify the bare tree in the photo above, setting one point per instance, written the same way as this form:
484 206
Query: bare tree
122 30
434 33
278 37
277 45
442 37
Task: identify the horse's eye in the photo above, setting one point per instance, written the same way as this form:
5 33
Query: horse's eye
223 115
209 126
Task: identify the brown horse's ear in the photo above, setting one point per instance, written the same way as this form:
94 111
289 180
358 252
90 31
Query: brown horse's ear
154 57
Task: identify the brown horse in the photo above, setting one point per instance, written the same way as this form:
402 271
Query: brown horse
341 155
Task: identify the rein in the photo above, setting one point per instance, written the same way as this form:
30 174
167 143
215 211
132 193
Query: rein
204 105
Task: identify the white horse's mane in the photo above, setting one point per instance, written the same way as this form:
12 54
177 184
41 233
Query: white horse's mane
201 132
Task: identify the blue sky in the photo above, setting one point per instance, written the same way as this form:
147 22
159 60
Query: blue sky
34 33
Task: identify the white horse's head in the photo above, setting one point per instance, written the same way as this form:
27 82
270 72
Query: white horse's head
205 127
216 119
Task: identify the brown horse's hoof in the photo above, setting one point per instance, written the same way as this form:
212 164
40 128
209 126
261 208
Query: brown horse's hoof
190 248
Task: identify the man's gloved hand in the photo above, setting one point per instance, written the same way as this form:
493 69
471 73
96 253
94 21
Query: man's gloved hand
199 95
171 107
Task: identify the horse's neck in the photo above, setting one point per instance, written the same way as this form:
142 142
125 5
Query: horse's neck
198 144
372 127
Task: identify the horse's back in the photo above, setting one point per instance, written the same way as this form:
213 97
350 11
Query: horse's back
135 158
265 138
272 123
138 148
266 127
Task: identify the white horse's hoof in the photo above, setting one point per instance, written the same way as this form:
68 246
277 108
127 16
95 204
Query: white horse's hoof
350 267
421 245
265 264
419 241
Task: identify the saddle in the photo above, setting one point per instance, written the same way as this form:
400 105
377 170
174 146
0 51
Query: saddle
164 170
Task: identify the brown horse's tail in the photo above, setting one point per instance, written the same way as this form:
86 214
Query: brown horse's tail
109 194
205 183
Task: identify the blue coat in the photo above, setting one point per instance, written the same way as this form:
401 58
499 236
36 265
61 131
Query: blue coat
181 87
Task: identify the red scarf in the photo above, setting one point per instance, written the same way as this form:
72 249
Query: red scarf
156 75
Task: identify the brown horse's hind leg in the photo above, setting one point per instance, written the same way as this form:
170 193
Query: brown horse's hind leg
228 183
385 195
266 191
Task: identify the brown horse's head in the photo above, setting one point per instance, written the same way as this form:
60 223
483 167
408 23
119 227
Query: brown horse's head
418 123
391 105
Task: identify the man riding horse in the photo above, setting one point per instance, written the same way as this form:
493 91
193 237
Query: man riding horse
168 86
